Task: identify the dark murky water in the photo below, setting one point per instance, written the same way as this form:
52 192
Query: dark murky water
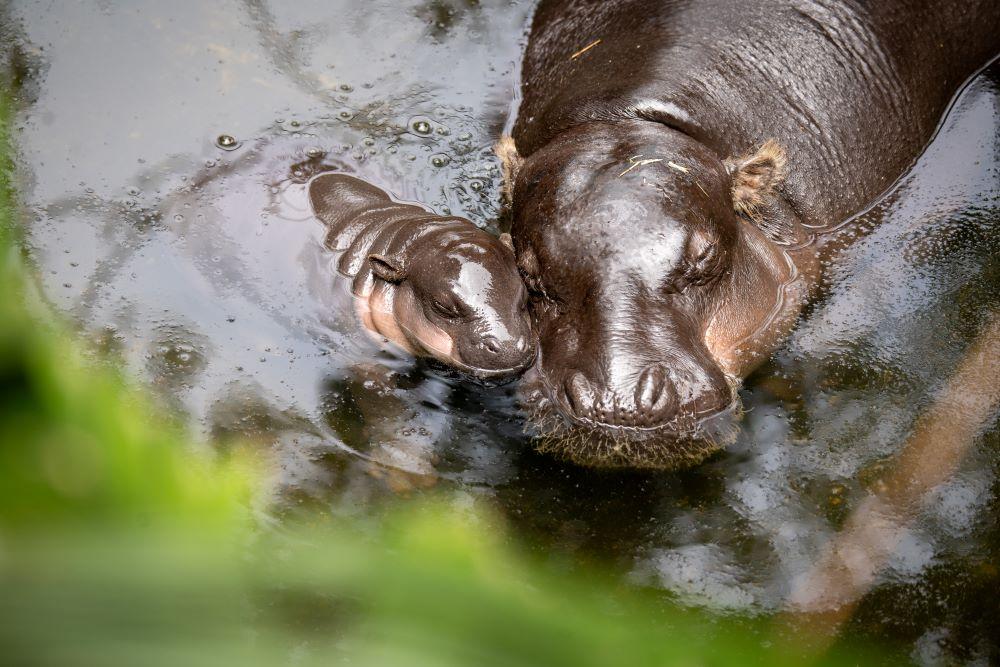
202 268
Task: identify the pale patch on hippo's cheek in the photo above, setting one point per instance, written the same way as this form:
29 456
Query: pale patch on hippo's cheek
376 312
757 311
720 347
420 333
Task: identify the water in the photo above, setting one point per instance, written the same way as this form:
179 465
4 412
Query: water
196 261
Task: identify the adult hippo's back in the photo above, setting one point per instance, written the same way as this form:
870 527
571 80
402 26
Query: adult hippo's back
676 165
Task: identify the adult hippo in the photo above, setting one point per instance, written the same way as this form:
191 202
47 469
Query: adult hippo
673 168
437 286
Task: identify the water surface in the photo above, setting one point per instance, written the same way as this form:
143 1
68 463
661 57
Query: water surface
203 269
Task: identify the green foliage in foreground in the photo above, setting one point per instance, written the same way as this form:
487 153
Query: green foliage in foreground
119 545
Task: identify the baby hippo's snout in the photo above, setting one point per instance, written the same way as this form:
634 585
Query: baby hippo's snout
499 355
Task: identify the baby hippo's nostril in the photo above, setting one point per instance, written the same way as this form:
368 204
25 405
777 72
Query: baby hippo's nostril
654 394
579 394
492 344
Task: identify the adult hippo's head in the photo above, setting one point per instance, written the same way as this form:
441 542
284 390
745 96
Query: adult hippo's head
654 286
437 286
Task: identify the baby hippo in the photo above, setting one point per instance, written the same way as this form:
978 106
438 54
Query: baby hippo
437 286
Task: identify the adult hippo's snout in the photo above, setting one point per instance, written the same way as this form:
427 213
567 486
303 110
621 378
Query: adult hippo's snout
652 400
634 366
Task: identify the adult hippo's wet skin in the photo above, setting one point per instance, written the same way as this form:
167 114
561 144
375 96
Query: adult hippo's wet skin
674 166
437 286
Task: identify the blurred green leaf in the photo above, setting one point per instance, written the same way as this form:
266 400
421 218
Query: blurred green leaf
122 544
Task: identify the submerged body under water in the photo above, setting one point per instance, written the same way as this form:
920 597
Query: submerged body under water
203 268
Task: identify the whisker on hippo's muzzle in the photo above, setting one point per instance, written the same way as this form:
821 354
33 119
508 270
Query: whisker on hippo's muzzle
684 441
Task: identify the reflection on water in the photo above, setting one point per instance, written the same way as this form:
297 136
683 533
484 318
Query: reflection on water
203 269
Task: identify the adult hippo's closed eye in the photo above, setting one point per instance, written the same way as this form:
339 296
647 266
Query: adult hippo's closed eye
672 171
436 286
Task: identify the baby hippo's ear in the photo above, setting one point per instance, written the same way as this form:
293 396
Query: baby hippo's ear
756 176
389 269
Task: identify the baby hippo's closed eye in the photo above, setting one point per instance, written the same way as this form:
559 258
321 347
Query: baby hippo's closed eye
438 286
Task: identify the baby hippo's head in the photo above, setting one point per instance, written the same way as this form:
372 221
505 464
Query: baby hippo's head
458 297
438 286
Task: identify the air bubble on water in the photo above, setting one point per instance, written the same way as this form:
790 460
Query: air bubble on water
133 191
465 136
476 185
345 114
346 87
178 218
313 152
421 126
411 158
227 142
295 123
368 141
440 160
392 150
443 131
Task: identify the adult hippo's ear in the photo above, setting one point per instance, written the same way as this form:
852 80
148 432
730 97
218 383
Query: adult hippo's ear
755 177
389 269
507 241
510 164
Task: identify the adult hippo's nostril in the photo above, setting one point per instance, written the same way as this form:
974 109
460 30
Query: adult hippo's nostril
653 401
654 394
579 395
